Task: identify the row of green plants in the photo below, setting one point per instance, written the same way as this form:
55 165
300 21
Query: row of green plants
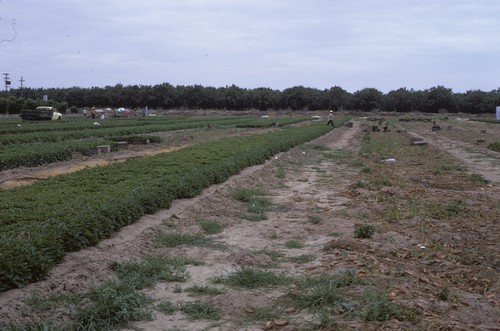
36 154
41 222
135 129
40 153
11 126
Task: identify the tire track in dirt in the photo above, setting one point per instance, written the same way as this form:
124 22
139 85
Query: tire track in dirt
477 158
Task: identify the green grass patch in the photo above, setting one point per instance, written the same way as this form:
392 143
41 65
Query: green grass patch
280 171
495 146
316 147
198 310
305 258
321 292
114 304
262 313
294 244
363 231
379 307
477 178
449 210
254 278
314 219
146 272
210 226
166 307
255 203
246 194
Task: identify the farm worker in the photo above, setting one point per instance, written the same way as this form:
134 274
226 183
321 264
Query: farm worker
93 112
330 118
84 112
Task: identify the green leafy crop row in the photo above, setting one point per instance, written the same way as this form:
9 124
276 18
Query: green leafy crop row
107 130
40 222
32 155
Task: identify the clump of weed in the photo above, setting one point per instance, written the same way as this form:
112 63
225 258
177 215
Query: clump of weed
177 238
166 307
359 184
314 219
204 290
197 310
296 244
495 146
317 147
477 178
246 194
449 210
357 163
262 313
146 272
379 307
305 258
253 278
321 291
256 204
210 226
115 303
366 170
445 294
280 171
363 231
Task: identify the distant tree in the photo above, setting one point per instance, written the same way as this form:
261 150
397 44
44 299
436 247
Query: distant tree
337 98
440 98
263 98
477 102
300 98
235 98
163 96
402 100
368 99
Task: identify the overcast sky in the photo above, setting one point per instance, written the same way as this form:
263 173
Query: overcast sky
354 44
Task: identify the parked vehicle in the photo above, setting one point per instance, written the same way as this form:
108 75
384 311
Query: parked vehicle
42 113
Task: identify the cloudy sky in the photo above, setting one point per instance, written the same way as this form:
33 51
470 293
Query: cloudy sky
354 44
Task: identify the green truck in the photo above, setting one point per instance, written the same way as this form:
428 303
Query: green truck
42 113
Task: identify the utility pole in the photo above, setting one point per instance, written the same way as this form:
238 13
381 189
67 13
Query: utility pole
22 81
6 81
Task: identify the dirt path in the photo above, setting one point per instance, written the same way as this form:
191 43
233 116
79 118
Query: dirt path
459 139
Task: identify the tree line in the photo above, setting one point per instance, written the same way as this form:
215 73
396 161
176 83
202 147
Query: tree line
167 96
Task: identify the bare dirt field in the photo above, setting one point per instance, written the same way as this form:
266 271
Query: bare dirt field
422 271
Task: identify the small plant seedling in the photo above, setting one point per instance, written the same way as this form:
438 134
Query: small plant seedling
364 231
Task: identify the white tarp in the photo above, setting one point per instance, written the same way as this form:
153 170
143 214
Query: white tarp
498 113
